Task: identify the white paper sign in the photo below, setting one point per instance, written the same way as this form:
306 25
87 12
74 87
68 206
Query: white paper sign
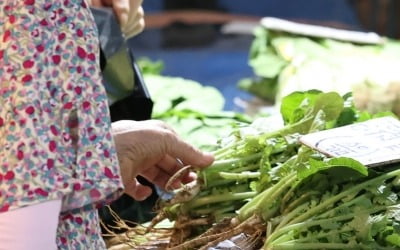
373 142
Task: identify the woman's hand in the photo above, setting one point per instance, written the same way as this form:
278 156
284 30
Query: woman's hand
129 13
151 149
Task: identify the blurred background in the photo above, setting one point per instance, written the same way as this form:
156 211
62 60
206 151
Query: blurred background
195 39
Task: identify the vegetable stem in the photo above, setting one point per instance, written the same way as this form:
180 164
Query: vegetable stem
343 194
298 246
306 224
240 176
263 201
219 198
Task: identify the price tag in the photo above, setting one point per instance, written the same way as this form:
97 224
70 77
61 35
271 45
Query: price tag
374 142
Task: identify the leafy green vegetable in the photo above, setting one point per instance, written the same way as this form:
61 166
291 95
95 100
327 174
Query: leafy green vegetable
316 166
263 177
284 63
187 94
193 110
150 67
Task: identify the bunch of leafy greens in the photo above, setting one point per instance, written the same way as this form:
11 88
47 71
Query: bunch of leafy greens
193 110
150 67
285 62
263 177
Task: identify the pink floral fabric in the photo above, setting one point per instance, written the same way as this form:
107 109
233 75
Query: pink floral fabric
55 140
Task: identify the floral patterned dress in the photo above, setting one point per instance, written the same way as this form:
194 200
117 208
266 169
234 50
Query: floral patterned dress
55 140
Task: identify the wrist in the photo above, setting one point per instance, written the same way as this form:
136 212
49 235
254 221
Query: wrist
121 126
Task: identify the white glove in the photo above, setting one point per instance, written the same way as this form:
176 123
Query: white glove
129 13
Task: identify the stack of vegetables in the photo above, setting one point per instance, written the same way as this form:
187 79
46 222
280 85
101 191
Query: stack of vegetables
286 62
280 194
283 195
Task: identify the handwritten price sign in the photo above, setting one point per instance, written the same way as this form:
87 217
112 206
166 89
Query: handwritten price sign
373 142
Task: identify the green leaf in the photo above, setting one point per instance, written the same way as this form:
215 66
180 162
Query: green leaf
317 165
292 47
260 42
394 239
295 105
346 117
331 103
319 122
348 163
267 64
313 167
179 93
378 224
149 67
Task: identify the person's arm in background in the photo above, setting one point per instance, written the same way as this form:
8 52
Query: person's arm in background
129 13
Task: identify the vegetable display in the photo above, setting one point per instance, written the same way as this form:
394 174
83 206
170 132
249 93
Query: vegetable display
266 190
283 195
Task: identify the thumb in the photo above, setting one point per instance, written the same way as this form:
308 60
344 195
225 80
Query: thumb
137 191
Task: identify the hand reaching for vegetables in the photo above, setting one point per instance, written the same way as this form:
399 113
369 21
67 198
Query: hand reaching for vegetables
129 13
151 149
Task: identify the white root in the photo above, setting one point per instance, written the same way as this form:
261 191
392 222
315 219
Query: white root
186 193
176 176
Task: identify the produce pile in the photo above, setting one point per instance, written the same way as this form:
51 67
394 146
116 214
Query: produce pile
286 62
280 194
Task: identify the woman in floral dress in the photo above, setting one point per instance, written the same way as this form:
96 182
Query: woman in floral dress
60 157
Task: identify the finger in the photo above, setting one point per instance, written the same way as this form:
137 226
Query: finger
174 168
188 154
159 177
137 191
136 3
161 124
135 23
107 2
135 8
132 30
121 11
188 177
170 165
95 3
124 126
